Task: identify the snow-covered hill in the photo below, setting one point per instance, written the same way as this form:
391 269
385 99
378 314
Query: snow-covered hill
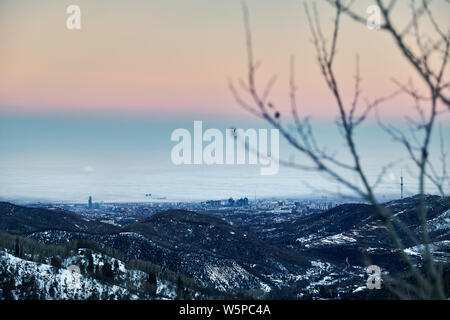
23 279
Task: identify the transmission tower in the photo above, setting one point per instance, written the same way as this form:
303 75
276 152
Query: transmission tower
401 185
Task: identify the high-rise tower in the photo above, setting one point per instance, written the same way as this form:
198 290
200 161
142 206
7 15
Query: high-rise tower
90 202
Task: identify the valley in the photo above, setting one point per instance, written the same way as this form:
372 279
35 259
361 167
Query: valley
211 254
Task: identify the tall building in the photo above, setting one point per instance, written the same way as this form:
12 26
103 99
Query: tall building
90 202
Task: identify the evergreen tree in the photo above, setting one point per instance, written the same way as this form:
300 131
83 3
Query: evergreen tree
151 278
107 270
17 248
90 267
151 284
55 262
8 286
53 290
180 288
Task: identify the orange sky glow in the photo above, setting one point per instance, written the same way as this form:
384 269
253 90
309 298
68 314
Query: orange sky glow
176 56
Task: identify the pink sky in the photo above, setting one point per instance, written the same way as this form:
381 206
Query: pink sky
175 56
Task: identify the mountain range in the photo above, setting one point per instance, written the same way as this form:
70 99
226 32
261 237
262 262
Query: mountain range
319 255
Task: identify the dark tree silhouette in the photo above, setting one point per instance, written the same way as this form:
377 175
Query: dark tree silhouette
430 61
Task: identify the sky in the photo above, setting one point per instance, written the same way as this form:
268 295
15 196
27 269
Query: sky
91 111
